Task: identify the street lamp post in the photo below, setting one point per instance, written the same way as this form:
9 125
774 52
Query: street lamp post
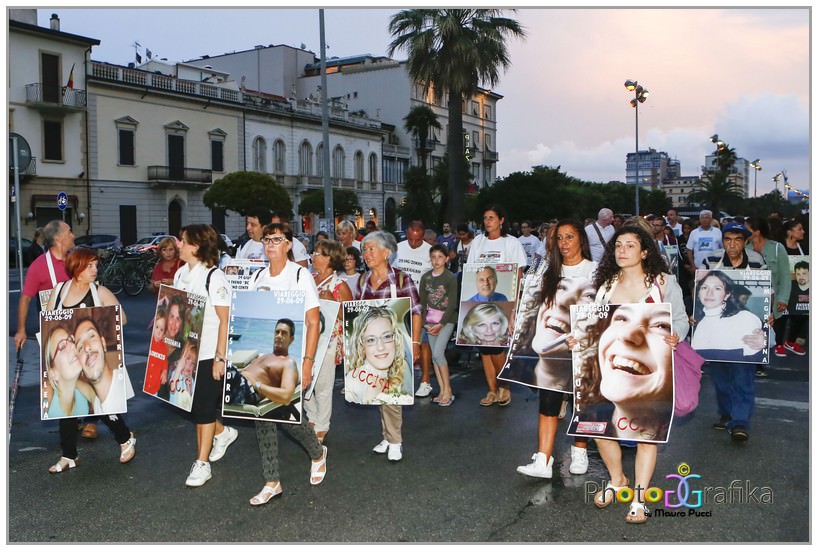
755 164
640 95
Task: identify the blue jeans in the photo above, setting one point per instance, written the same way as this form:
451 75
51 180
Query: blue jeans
735 391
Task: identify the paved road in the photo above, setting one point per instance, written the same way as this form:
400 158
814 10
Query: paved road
457 481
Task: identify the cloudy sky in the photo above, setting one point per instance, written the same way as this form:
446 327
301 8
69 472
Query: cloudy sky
741 73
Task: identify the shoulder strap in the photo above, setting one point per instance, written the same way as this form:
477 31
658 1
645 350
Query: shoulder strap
599 233
298 274
50 265
207 281
95 295
58 289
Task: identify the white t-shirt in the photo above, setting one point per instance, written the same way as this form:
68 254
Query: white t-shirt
194 281
253 250
677 229
503 249
531 247
414 262
597 246
584 269
703 242
300 251
289 280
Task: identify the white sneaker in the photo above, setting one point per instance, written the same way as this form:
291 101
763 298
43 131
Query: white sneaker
221 443
539 467
579 461
424 390
199 474
395 452
381 447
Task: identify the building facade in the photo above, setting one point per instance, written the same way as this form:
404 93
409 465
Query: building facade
654 168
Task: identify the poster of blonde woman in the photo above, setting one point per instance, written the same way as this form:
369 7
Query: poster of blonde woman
378 352
623 371
263 374
82 365
731 309
487 302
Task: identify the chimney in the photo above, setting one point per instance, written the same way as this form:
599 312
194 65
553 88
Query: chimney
55 22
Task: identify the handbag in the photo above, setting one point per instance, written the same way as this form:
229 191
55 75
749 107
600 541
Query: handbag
687 378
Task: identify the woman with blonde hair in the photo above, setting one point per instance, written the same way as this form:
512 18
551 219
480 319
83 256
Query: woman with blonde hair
485 325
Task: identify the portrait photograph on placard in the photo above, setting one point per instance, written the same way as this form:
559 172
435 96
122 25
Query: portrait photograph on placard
539 356
173 355
489 283
264 352
378 366
328 316
238 271
82 368
798 304
622 372
487 302
731 309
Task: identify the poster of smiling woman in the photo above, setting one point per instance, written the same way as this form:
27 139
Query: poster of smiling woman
378 352
539 356
487 302
731 309
82 366
264 353
623 372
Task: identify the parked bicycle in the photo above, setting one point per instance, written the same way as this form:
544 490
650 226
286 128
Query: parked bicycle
129 271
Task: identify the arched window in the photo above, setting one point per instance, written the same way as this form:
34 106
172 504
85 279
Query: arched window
373 168
319 160
338 162
259 154
359 167
279 157
305 159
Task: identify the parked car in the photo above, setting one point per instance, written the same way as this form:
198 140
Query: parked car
146 244
13 252
99 241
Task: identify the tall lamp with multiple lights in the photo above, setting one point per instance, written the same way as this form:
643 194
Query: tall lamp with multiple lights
640 95
756 166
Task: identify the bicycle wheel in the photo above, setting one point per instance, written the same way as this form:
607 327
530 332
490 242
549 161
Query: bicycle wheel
112 280
133 281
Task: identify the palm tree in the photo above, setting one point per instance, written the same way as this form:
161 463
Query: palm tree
455 51
418 122
715 187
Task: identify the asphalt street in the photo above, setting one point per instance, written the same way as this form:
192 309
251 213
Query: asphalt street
457 481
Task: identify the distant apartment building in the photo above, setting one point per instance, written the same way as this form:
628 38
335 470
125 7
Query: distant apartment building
739 172
655 167
677 189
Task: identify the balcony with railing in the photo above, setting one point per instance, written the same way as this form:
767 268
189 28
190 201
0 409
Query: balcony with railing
171 176
55 98
428 145
489 156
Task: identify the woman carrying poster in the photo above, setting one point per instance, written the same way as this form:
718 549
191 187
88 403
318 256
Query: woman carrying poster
567 280
284 274
201 275
81 291
382 281
631 271
328 261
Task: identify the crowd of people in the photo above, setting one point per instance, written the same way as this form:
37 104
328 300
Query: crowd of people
632 264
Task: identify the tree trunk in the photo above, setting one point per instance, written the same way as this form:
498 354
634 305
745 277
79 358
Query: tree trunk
456 193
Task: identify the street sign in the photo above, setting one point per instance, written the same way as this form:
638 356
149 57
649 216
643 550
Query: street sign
23 152
62 200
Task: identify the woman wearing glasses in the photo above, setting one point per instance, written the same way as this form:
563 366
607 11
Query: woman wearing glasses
284 274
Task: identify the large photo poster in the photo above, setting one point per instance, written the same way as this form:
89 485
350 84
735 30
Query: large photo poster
731 310
799 292
173 356
378 366
239 271
539 356
487 302
328 317
263 374
623 372
82 364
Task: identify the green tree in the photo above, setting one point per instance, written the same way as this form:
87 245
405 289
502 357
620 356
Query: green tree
419 204
715 188
344 201
454 50
241 191
420 120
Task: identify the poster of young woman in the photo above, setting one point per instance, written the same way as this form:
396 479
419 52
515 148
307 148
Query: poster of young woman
487 301
173 356
623 371
238 271
378 352
263 374
799 293
329 313
539 356
82 369
731 309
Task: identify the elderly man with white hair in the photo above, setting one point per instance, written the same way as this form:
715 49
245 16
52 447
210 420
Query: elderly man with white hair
703 241
600 232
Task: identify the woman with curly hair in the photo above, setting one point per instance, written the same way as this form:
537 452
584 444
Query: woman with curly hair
377 366
632 271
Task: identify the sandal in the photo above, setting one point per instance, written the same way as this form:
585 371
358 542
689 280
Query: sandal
316 475
637 513
504 397
605 497
63 464
436 399
266 494
128 450
321 436
446 403
490 399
